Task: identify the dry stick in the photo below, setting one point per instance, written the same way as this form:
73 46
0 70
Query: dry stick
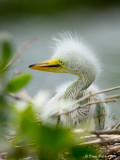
22 96
110 136
114 96
105 136
90 94
14 96
26 96
85 105
20 51
91 103
117 158
103 139
111 142
83 98
112 151
98 141
106 90
117 125
101 132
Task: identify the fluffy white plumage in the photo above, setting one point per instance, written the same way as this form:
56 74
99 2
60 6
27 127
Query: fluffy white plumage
76 53
81 61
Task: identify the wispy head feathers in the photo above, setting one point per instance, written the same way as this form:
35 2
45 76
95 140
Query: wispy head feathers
71 47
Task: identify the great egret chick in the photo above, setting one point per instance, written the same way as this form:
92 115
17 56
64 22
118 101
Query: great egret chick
72 56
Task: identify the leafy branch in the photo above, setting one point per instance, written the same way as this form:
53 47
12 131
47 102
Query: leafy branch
19 52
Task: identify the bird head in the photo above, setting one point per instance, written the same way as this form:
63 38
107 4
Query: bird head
52 65
71 55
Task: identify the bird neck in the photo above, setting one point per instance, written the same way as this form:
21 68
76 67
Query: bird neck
82 83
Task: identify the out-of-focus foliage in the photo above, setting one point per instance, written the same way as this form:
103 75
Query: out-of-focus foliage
49 6
5 50
6 53
21 135
18 82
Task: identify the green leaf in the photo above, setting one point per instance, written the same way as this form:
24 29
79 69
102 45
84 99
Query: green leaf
57 137
6 52
18 82
84 151
49 140
28 125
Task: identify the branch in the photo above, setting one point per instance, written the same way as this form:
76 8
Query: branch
107 90
19 52
117 125
84 105
113 96
101 132
14 96
112 150
108 141
103 139
23 95
91 103
91 94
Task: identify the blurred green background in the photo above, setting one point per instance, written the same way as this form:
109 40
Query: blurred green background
50 6
96 21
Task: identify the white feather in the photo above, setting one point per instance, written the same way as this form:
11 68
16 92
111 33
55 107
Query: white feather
81 61
74 50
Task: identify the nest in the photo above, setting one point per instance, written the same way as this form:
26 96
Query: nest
108 141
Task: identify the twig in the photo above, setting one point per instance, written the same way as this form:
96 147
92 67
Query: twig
14 96
113 96
84 105
109 141
112 150
3 155
23 95
101 132
19 52
58 121
90 94
84 98
26 96
117 158
107 90
94 102
99 140
117 125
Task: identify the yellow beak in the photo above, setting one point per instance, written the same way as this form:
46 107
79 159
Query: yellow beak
52 65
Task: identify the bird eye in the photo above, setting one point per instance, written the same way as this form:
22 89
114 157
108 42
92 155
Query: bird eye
61 62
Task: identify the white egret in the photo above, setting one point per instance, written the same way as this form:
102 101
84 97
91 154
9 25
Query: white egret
72 56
